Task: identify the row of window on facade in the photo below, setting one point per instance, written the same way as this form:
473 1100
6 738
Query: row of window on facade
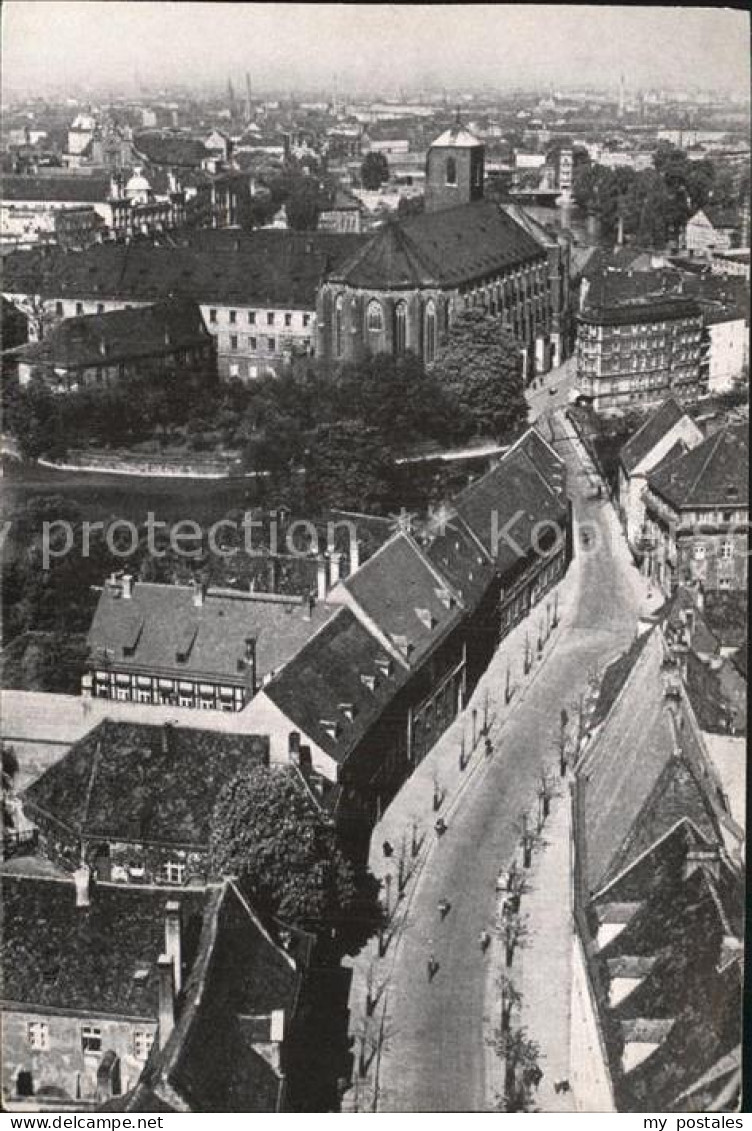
268 345
376 324
38 1038
271 317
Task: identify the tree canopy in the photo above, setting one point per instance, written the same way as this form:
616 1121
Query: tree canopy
479 366
374 171
266 830
347 465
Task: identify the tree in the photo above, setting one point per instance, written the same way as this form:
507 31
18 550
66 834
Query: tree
374 171
480 366
303 205
347 465
267 831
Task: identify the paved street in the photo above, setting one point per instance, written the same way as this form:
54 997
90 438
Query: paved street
434 1057
553 389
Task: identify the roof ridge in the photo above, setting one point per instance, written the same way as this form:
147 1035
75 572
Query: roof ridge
713 448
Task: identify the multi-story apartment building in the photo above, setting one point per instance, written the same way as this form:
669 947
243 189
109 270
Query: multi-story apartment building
636 353
697 515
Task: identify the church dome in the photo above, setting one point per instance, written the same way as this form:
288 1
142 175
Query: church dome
137 184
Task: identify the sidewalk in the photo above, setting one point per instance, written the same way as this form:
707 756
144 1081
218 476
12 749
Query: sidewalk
545 1009
412 808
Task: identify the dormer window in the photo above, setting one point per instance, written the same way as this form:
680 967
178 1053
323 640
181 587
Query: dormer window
369 681
445 597
385 667
426 617
405 646
330 727
348 710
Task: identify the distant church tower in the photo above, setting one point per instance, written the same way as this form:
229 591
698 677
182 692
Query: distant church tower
454 169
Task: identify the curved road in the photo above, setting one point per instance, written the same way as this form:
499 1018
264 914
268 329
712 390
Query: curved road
434 1059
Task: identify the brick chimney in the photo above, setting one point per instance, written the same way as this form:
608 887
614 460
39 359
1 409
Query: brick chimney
166 998
82 880
127 583
335 567
173 941
293 747
321 579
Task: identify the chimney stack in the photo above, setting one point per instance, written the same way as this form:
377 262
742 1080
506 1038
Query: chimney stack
293 747
321 580
166 998
82 880
308 604
173 941
335 560
127 581
198 593
354 555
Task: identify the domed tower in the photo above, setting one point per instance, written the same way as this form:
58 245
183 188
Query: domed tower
454 169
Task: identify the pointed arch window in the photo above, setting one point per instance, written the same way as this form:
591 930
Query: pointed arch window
338 326
429 350
374 317
400 328
451 171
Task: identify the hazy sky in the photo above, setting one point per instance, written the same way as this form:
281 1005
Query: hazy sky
288 46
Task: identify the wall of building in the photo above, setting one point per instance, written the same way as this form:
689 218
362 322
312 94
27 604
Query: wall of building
638 364
63 1064
709 546
728 353
588 1072
632 488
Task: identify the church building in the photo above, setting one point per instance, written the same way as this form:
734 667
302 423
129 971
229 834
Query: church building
403 288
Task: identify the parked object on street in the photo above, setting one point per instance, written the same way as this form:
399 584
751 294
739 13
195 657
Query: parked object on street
485 941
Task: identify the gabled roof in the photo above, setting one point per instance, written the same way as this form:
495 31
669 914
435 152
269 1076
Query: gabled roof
142 783
650 433
405 597
119 335
444 249
100 959
145 633
455 552
264 267
714 474
64 188
219 1056
644 772
503 507
337 685
686 999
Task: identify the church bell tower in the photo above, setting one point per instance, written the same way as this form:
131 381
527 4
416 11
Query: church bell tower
454 169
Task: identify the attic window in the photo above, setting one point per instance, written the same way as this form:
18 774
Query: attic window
348 710
369 681
406 646
445 597
331 727
385 667
426 617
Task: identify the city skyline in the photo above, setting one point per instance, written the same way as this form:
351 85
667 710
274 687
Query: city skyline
376 48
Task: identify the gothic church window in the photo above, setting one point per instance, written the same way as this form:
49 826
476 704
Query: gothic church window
375 317
400 328
430 338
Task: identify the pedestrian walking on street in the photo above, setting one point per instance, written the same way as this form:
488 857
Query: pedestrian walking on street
432 966
485 941
440 826
387 848
489 748
444 908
